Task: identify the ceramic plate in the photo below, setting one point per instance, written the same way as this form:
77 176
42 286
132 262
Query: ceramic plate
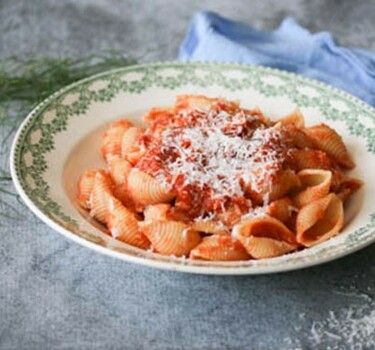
60 139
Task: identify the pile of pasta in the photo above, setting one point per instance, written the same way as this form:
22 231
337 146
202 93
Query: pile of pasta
303 205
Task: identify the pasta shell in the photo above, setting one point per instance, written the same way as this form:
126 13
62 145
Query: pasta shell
328 140
119 170
266 226
171 237
112 138
219 248
156 113
316 184
100 196
123 225
178 215
310 159
193 101
338 177
231 216
134 157
164 211
281 209
320 220
157 212
347 187
122 193
210 226
298 137
85 186
129 142
256 112
295 118
145 190
262 247
202 102
283 184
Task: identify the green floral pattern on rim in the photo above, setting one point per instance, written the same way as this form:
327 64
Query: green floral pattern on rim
36 137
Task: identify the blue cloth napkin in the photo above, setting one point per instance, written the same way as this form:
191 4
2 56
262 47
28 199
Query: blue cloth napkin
290 47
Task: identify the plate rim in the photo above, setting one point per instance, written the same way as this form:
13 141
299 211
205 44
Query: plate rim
170 265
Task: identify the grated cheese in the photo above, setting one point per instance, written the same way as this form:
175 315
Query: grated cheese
226 162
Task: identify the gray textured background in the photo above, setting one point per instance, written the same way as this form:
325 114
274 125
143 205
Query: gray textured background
55 294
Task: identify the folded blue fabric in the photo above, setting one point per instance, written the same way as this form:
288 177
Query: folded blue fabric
290 47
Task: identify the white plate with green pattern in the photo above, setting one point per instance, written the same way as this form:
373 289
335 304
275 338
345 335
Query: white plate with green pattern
60 139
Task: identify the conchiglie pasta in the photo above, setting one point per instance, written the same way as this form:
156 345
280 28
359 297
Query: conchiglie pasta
129 142
213 181
85 186
193 101
157 212
320 220
119 170
328 140
210 226
266 226
112 138
134 157
316 184
295 118
156 113
338 176
171 237
298 137
101 194
231 216
259 115
310 159
202 102
123 225
146 190
283 184
281 209
347 187
164 211
262 247
219 248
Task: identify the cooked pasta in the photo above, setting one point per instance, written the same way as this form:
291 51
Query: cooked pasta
119 170
85 186
315 184
171 237
320 220
123 225
295 118
210 226
129 143
102 192
219 248
146 190
263 247
328 140
112 138
209 180
281 209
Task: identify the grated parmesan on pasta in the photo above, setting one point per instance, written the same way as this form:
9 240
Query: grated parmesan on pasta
222 154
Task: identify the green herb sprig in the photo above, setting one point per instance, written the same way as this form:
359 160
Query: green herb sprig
24 82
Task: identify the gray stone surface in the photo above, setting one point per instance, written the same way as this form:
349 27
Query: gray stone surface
55 294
